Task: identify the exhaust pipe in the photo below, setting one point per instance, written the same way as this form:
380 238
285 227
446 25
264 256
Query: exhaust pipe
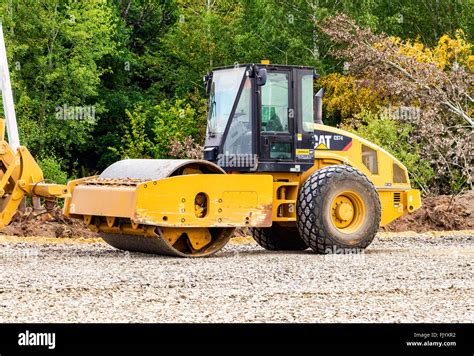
318 106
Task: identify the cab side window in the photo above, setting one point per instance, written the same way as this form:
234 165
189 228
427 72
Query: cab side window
275 103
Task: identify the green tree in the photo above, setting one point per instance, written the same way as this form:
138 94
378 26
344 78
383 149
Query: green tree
54 48
136 74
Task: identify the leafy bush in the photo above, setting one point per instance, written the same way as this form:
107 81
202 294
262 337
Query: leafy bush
155 130
176 121
186 148
136 142
344 98
52 169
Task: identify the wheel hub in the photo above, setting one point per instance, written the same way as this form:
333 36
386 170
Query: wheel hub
347 211
344 211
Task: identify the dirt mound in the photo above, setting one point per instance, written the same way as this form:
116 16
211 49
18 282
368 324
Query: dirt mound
47 224
444 212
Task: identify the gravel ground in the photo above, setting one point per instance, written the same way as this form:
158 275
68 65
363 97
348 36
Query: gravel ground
417 278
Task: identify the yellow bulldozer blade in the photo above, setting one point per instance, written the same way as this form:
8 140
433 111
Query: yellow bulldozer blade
171 207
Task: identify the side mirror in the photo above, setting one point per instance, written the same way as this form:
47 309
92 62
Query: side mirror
318 107
207 79
261 77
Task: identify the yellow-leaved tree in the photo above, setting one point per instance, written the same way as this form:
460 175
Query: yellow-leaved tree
434 85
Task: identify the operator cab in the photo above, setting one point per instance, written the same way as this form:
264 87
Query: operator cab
260 118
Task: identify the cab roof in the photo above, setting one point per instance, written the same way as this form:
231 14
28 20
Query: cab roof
270 65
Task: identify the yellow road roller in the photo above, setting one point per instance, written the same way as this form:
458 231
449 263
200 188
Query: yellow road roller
269 164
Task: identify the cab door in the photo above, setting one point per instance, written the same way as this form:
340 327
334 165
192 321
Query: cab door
276 113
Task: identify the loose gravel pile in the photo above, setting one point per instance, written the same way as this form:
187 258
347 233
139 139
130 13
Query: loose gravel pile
419 278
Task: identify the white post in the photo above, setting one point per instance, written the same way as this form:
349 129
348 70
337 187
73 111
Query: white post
7 96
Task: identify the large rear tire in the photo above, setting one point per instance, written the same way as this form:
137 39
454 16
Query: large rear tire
279 238
338 210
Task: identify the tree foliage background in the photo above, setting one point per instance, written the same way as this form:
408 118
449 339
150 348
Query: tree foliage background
139 64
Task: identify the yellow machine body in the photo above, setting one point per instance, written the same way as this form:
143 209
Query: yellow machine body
226 201
390 178
192 202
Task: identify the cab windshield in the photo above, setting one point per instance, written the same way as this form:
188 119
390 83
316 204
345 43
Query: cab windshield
224 88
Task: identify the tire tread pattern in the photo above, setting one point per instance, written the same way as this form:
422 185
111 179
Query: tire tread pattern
310 202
